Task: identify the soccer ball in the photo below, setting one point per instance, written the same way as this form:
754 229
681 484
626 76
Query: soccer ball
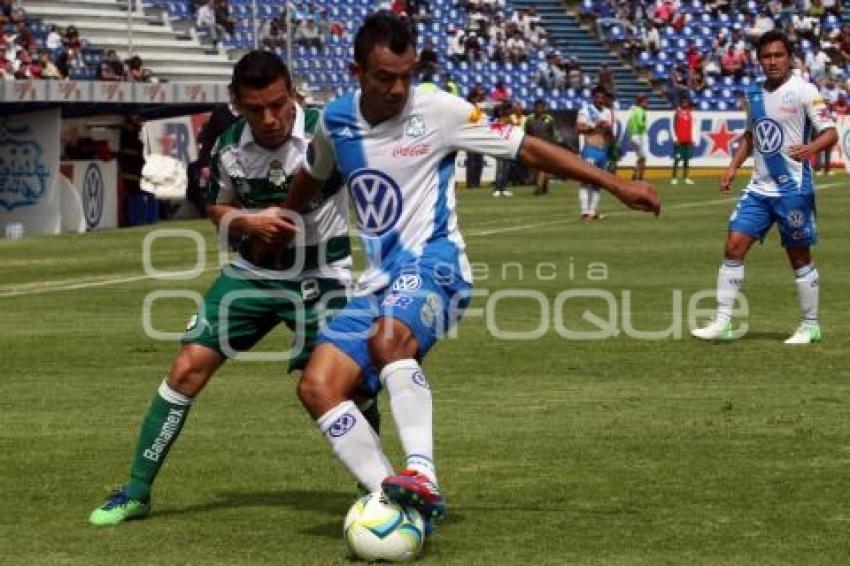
379 529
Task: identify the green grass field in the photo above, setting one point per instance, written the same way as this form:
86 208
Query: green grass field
550 451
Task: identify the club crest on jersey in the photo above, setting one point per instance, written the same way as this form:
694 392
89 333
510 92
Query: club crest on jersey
277 176
768 136
415 127
432 307
377 198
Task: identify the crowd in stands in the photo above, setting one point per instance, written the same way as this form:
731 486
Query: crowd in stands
31 50
489 35
699 45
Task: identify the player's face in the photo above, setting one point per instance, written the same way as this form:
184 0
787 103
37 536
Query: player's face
270 112
600 100
775 60
385 82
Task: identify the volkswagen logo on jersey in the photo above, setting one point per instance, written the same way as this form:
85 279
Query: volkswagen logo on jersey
342 425
377 198
796 218
768 136
93 195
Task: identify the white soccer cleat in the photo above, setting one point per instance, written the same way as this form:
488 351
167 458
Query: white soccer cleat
716 330
507 193
805 334
497 194
689 181
674 181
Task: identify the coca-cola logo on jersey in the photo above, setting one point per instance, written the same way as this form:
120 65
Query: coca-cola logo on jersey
504 130
414 150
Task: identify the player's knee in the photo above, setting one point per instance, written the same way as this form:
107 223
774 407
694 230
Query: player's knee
186 376
386 348
316 392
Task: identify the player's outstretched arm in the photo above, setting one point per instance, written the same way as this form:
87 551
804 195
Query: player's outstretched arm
745 147
538 154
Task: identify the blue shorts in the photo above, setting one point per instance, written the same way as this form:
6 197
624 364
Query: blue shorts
597 156
429 297
795 214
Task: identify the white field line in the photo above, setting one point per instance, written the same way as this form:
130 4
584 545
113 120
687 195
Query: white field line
37 288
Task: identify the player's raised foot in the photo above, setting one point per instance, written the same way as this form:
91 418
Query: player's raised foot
689 181
674 181
805 334
715 330
119 507
497 194
409 487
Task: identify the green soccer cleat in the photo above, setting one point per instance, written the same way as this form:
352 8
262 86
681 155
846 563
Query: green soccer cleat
119 507
805 334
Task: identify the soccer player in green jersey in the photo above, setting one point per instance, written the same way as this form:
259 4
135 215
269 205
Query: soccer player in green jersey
267 283
636 131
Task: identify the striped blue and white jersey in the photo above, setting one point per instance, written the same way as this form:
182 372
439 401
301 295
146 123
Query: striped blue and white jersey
778 120
591 116
401 177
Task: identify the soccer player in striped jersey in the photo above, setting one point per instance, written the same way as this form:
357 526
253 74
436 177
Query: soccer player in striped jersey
781 115
595 122
395 146
253 164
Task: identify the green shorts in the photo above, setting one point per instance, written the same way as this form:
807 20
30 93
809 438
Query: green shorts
683 151
238 312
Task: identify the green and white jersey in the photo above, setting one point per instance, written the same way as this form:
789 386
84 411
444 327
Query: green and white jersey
249 176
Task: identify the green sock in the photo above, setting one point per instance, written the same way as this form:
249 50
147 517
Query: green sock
160 429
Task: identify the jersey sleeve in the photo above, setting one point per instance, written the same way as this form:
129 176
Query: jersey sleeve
816 109
220 189
323 161
466 128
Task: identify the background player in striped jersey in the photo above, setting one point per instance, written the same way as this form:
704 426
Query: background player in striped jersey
781 115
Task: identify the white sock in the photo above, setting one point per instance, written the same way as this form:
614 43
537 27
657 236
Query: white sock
584 199
595 195
410 401
730 279
808 285
173 396
355 444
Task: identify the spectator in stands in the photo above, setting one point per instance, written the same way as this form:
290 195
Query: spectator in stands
136 71
732 62
832 7
428 61
575 76
652 39
844 45
456 45
517 50
679 83
841 107
26 67
17 13
5 12
53 41
816 9
696 82
693 56
816 63
663 13
804 24
24 38
308 35
605 79
274 37
549 74
418 10
223 19
6 72
472 50
500 93
537 36
205 22
111 67
48 68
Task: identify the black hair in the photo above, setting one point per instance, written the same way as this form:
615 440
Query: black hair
384 27
600 88
772 36
258 69
539 101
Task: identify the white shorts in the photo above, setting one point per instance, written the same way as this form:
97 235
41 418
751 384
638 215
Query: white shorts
639 144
